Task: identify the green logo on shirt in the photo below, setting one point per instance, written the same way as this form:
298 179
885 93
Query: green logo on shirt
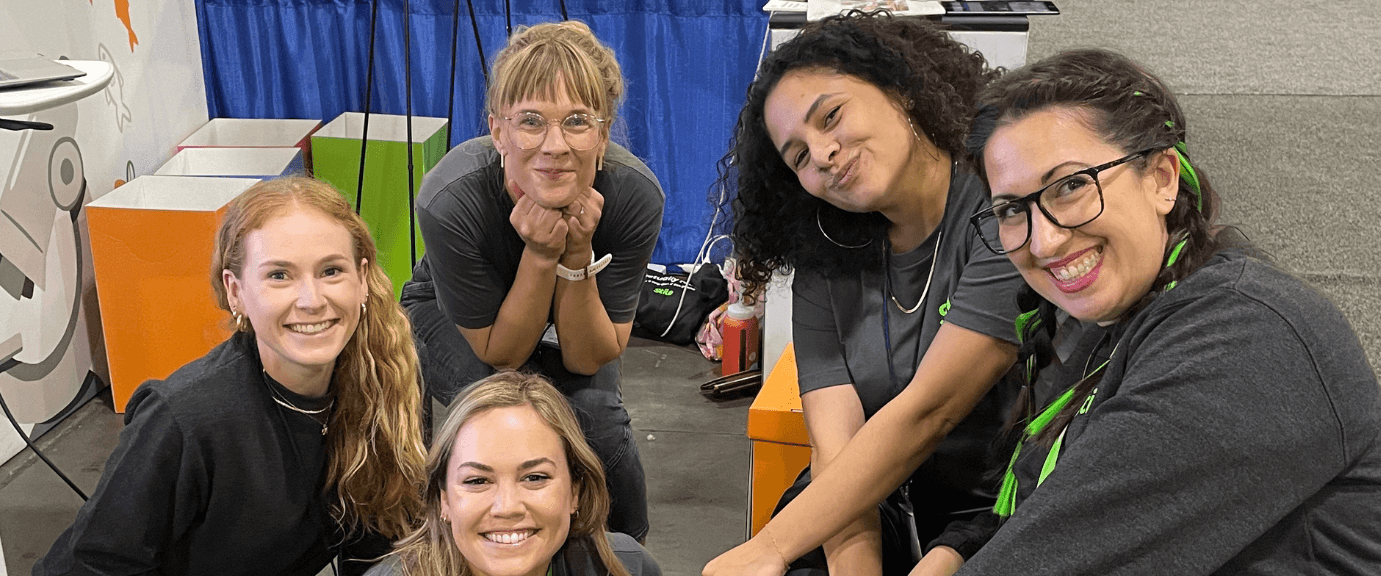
944 309
663 291
1088 402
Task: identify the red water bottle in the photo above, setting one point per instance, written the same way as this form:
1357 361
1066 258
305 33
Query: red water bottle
740 330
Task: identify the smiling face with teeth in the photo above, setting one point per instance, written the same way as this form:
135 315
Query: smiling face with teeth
509 495
1097 271
301 290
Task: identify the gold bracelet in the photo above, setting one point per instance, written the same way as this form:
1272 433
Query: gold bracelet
775 547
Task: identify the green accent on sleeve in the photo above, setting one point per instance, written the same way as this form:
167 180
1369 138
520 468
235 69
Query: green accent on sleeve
944 308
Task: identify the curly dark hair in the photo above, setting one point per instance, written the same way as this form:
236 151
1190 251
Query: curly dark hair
1131 109
933 77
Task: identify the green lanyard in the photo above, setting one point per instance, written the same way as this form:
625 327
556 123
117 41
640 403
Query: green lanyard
1007 495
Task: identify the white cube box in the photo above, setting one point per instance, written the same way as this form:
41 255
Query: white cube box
234 162
256 133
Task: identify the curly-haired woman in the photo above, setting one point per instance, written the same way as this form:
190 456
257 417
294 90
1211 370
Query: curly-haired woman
850 170
297 435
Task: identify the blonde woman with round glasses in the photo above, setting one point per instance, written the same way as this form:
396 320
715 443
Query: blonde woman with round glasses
537 237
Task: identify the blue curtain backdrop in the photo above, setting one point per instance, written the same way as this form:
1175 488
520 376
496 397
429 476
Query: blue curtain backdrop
687 65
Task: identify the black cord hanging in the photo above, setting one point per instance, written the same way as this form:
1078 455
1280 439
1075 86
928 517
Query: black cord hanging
475 25
407 96
451 107
508 16
9 362
564 15
368 91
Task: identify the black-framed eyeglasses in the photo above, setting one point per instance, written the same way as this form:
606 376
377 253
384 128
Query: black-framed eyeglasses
580 130
1069 202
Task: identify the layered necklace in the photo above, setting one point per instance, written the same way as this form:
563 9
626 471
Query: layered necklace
320 415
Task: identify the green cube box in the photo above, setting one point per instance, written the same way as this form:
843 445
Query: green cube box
336 159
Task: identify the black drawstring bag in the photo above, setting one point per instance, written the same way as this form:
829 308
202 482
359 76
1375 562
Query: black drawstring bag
669 310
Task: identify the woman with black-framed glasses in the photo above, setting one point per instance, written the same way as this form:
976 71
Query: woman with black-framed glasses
1192 409
538 237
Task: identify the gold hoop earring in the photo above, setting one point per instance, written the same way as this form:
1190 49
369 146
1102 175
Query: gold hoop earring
500 159
364 307
599 162
239 321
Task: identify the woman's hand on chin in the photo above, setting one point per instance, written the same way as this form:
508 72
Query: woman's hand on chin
756 557
582 216
543 230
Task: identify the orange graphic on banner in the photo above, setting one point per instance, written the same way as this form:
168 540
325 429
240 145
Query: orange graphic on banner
122 12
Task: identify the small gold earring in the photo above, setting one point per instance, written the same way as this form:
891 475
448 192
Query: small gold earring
500 159
239 320
363 308
599 162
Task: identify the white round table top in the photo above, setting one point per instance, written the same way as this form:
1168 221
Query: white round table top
37 97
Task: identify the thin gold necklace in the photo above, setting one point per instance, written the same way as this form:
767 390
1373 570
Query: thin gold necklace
939 235
289 405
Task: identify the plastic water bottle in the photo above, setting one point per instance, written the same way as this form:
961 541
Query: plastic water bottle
741 337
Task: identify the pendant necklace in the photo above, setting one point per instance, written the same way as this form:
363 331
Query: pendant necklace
313 414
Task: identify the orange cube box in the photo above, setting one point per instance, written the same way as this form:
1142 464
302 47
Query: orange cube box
780 444
151 244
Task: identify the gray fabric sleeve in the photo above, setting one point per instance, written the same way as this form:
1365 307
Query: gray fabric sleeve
635 558
389 566
633 225
985 301
820 360
1220 427
468 288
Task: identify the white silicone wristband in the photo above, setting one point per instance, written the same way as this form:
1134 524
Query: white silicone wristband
588 271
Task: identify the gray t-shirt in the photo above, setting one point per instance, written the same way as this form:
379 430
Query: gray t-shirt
837 322
1236 430
473 251
839 340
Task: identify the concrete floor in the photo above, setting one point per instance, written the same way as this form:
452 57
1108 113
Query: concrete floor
1283 100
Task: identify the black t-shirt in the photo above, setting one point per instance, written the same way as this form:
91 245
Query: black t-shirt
210 477
473 251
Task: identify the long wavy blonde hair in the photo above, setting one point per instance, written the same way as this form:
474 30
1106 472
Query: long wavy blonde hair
431 550
374 447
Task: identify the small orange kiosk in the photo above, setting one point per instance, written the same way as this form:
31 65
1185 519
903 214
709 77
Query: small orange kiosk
151 244
779 443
